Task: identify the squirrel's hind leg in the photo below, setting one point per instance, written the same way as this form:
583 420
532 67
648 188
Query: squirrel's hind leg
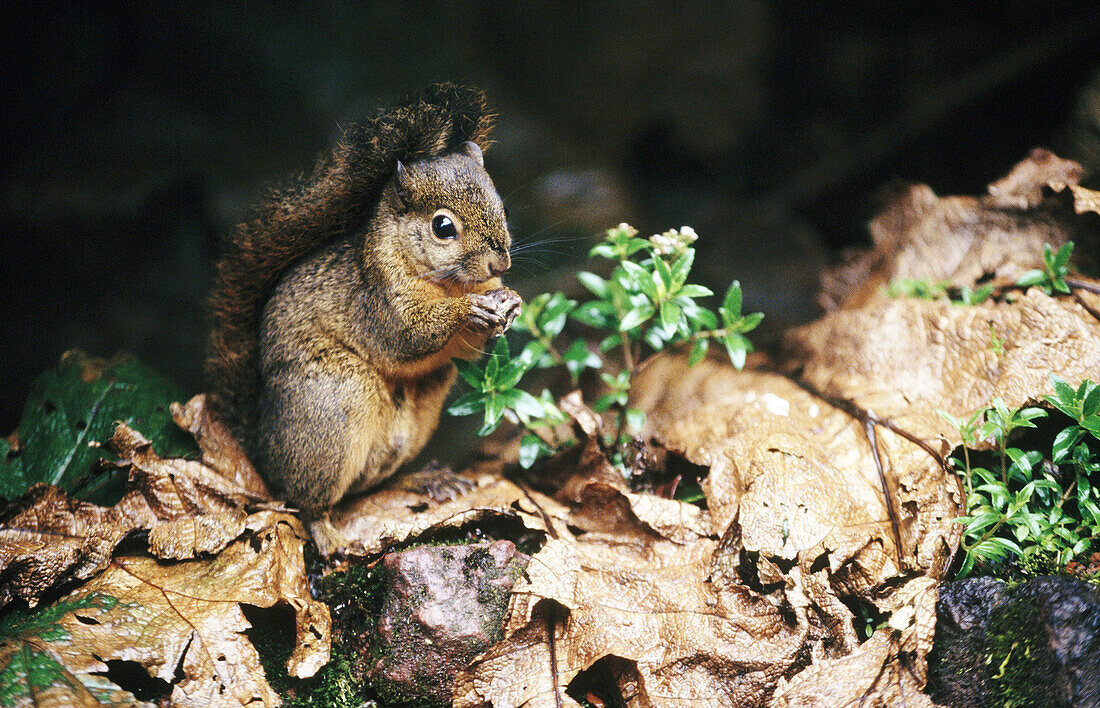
319 433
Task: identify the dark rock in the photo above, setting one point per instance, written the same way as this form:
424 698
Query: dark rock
1034 644
444 605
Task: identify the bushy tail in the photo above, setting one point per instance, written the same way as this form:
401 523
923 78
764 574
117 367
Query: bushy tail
335 200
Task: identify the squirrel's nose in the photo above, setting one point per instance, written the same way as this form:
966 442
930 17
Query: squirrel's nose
498 263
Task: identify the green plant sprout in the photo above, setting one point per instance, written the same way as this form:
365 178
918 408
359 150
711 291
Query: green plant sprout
645 306
1052 276
1027 504
938 289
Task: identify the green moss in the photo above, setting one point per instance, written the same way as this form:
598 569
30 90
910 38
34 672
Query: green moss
354 597
1017 655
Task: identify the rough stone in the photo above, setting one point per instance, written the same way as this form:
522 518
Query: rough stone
1033 644
443 606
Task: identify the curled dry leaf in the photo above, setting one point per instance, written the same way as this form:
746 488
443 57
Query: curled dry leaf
182 622
890 669
220 450
687 639
48 539
390 516
965 240
190 536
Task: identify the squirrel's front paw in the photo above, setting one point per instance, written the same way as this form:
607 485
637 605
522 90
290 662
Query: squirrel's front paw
494 310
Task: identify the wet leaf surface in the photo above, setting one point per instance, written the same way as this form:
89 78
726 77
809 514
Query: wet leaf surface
69 416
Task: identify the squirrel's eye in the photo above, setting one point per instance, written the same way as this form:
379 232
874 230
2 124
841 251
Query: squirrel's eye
443 227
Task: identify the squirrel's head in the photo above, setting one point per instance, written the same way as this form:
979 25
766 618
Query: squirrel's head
448 213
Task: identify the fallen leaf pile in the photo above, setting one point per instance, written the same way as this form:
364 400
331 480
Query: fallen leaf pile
827 506
757 609
179 621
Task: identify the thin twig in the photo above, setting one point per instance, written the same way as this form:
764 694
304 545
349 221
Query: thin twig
551 617
891 511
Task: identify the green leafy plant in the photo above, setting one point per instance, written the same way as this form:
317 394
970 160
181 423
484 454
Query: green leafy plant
938 289
1052 276
646 305
1028 503
920 288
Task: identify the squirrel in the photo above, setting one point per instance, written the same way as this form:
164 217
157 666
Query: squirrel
337 311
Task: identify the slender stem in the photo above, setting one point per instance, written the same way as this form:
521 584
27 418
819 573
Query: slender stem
628 353
969 474
987 535
551 349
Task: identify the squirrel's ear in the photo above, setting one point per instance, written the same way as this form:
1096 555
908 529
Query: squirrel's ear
473 152
400 180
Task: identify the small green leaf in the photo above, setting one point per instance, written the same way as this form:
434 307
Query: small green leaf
1059 262
732 302
691 290
470 402
604 402
1030 278
470 373
594 283
603 250
635 317
634 272
497 357
578 358
680 270
635 420
702 317
530 447
670 316
1064 442
698 351
610 342
511 373
552 319
750 322
664 272
596 314
737 347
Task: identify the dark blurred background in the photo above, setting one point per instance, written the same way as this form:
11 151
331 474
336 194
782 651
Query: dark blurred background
136 135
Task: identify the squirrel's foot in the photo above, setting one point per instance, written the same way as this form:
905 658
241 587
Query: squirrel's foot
437 481
494 310
330 541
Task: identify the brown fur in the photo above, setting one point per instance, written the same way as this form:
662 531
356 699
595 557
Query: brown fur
337 311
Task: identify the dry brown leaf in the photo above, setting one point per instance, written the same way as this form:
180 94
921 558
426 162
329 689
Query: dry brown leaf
370 524
173 487
905 359
964 240
1085 200
1022 187
798 474
186 618
651 605
889 669
47 539
220 450
190 536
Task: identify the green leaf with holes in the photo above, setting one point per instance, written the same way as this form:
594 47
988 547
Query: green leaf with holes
71 413
29 661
